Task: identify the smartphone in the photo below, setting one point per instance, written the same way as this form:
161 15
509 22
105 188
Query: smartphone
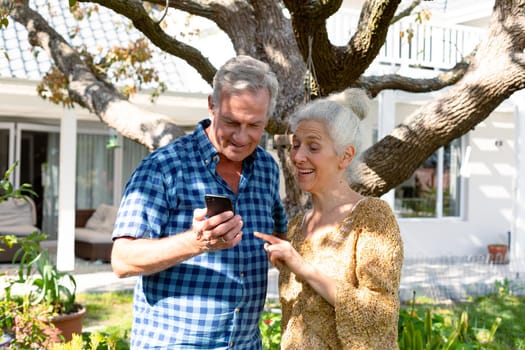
217 204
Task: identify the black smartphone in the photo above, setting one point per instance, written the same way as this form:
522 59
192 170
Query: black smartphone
217 204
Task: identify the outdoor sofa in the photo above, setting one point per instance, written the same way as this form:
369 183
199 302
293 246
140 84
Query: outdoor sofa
93 232
18 218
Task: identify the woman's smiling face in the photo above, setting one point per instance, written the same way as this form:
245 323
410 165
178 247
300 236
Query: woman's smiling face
314 157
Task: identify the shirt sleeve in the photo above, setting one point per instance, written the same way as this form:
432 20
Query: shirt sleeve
367 301
144 208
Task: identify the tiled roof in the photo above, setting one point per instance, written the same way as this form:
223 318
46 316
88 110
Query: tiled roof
103 29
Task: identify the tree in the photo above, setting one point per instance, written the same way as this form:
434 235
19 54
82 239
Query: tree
259 28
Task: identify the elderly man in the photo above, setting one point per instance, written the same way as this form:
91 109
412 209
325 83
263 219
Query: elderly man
203 279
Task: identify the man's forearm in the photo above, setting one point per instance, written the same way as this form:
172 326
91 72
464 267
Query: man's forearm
132 257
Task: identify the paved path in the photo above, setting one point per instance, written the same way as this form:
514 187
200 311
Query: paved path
107 281
438 280
443 279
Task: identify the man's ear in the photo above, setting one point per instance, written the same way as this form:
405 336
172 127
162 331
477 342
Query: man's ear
347 156
210 105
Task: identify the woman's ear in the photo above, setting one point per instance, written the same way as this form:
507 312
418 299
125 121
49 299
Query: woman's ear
347 157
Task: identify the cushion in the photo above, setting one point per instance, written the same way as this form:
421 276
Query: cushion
14 212
92 236
103 219
19 230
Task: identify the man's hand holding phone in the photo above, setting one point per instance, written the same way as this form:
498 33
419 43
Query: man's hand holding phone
220 228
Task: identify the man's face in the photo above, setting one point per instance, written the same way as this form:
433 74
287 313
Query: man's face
238 123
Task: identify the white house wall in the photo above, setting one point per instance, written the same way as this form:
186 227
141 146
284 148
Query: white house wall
488 196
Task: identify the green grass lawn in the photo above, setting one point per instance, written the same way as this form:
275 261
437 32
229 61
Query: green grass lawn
111 312
107 310
511 309
472 321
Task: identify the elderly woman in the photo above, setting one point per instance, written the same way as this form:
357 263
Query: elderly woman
340 268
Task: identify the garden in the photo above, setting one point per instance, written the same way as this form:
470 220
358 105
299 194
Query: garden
490 322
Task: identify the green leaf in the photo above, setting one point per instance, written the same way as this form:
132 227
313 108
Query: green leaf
4 22
428 326
494 328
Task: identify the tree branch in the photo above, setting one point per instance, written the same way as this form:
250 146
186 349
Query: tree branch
134 10
90 92
406 12
339 67
370 36
227 16
375 84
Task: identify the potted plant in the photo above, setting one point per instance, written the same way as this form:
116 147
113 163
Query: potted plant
53 288
8 305
45 311
498 253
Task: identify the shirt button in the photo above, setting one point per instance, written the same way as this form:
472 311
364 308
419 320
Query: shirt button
237 310
242 274
230 344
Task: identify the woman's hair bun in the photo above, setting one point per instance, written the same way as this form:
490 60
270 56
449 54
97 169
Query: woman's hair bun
354 99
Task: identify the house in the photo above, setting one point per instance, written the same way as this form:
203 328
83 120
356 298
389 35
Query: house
465 196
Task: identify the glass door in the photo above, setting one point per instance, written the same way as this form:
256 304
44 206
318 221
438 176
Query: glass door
38 150
6 147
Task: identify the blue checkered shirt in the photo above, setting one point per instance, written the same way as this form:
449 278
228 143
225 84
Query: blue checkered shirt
214 300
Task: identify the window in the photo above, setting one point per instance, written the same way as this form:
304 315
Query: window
104 163
132 155
434 190
95 169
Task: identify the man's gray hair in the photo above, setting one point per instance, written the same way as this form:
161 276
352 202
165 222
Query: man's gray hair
243 73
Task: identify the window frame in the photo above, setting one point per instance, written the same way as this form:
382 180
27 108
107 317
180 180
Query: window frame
463 182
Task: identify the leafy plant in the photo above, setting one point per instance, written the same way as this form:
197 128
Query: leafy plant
506 303
8 191
270 327
31 328
423 330
95 341
51 289
49 292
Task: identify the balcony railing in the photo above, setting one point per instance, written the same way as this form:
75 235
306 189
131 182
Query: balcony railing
410 44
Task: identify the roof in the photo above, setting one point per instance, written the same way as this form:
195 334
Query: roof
101 30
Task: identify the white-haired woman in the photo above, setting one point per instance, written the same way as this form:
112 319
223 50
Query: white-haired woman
340 268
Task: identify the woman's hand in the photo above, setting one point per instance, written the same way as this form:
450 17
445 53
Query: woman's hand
281 252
